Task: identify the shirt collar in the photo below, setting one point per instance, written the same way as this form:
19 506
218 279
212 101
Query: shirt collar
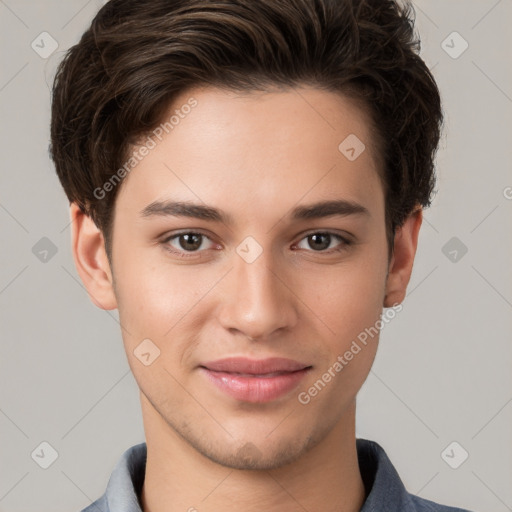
381 480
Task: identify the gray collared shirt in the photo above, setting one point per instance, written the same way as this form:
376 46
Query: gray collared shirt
384 489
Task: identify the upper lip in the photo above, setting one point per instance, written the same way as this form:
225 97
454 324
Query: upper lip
254 366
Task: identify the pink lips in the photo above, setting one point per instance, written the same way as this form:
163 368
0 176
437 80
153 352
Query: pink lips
255 380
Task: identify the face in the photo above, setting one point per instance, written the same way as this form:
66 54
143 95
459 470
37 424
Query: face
252 296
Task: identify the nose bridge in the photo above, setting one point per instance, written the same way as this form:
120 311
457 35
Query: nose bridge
256 303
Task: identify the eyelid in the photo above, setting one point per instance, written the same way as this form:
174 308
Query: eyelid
345 235
175 234
345 240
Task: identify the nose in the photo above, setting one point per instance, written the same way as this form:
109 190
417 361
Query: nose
258 300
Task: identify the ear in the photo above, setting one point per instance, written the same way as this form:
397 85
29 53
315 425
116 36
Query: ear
400 266
91 260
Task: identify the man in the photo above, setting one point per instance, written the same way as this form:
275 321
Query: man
246 181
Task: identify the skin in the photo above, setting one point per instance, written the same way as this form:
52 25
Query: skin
255 156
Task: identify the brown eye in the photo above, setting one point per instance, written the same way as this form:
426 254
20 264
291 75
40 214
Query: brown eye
190 241
186 242
321 241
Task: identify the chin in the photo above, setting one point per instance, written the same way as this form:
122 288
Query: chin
251 456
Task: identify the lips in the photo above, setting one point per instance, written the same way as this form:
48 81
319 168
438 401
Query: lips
255 380
254 366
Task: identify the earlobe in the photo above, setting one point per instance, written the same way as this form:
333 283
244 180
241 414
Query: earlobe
400 267
91 260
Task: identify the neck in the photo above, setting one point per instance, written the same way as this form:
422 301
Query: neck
178 478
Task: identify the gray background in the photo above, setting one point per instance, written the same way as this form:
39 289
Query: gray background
443 370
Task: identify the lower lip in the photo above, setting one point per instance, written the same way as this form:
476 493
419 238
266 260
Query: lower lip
255 389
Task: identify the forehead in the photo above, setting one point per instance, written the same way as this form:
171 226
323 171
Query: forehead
263 148
285 116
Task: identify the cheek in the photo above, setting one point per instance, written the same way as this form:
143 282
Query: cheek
156 300
153 308
351 306
348 299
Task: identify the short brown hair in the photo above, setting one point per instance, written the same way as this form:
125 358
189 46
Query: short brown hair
118 81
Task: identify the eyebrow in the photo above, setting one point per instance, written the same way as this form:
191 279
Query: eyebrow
340 207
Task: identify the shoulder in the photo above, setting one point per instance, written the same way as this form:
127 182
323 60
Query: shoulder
100 505
423 505
125 483
384 488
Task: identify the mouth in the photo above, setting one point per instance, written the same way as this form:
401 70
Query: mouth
255 380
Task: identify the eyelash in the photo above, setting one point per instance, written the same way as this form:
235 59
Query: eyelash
345 242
